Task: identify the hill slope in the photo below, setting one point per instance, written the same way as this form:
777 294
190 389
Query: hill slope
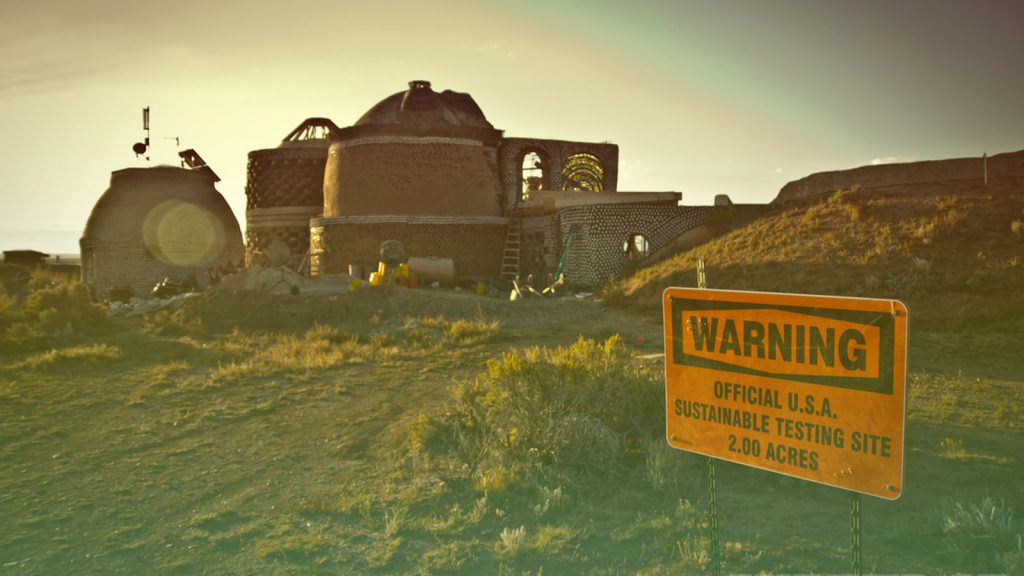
953 251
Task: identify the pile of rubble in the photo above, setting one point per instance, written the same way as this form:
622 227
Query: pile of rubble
270 280
139 306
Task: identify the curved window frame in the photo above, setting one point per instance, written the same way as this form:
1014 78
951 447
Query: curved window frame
584 172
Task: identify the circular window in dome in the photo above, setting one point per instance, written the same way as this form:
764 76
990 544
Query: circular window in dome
583 172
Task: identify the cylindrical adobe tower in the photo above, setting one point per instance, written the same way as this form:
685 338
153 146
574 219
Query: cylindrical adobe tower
156 223
284 189
420 167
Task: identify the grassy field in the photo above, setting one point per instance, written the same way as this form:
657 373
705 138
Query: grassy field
437 432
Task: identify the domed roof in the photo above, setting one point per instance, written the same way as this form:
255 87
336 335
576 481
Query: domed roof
421 107
155 223
179 204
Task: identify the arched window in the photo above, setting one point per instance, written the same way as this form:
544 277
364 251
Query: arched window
583 172
636 247
531 174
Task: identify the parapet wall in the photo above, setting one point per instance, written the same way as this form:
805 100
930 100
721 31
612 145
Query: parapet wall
1005 166
553 154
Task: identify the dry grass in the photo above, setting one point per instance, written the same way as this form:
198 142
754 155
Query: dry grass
89 354
318 349
463 331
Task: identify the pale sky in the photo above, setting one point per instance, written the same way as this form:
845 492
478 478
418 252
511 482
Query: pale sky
702 97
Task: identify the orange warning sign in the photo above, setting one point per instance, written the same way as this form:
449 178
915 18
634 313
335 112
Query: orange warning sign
808 386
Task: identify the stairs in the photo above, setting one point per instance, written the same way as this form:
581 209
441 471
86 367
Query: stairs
510 257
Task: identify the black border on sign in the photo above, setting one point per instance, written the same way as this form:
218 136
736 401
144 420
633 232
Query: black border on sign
885 322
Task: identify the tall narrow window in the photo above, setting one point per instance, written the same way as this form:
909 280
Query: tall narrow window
531 174
583 172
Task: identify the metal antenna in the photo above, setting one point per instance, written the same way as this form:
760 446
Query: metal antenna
141 148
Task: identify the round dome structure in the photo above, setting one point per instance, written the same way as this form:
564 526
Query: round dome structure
421 167
415 152
156 223
420 107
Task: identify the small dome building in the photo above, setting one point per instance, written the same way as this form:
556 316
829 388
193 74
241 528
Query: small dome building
156 223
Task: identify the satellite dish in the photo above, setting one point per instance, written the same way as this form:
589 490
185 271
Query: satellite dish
139 148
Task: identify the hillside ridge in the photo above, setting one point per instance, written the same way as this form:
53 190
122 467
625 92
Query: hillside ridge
997 168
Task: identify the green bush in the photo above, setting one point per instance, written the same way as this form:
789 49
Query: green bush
10 312
65 305
56 303
544 415
981 533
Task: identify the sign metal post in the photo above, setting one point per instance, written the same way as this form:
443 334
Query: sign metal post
716 548
856 550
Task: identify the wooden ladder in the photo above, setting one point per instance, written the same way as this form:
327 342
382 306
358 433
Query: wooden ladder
510 257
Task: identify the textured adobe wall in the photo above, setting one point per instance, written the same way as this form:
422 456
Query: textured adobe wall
284 187
1000 167
596 251
407 175
287 176
265 230
475 248
541 242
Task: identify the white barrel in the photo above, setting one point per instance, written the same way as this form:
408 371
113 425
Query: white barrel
429 270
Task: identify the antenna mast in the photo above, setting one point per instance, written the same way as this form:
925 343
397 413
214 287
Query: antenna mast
141 148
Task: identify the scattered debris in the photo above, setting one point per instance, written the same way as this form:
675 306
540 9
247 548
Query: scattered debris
166 289
138 306
284 280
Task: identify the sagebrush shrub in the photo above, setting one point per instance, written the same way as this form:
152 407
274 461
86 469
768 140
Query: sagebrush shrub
542 414
980 533
55 303
65 305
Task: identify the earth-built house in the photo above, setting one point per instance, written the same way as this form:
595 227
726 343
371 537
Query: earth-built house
427 169
156 223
